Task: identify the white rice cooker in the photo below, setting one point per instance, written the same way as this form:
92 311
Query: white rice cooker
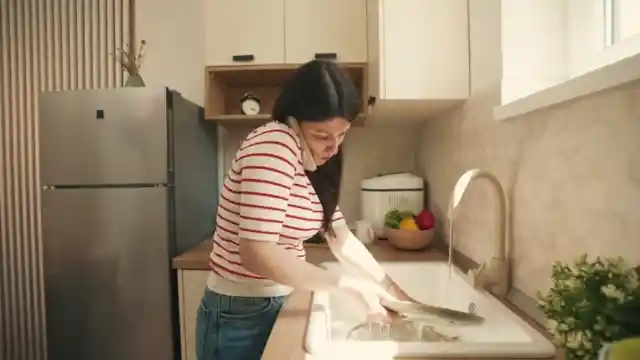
380 194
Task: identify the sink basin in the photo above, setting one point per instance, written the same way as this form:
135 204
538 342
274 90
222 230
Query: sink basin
502 335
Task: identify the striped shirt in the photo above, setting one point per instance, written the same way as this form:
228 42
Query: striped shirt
266 196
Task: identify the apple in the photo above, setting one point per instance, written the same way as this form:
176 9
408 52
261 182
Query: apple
425 220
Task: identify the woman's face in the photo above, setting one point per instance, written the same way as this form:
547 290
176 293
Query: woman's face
324 137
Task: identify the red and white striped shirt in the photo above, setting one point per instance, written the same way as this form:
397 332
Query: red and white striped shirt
266 196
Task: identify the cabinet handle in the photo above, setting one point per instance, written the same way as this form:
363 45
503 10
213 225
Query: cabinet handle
243 58
326 56
371 101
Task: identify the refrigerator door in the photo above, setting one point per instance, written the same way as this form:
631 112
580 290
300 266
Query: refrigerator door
104 137
107 274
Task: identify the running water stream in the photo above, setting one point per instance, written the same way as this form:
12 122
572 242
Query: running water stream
450 235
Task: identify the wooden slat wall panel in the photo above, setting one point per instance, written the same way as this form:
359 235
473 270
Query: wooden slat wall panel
44 45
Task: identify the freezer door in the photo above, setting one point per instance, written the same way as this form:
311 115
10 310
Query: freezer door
104 137
107 274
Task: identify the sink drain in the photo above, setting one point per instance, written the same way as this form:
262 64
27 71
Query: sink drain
472 308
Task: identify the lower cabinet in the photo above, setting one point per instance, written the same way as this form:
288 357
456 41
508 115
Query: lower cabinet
191 285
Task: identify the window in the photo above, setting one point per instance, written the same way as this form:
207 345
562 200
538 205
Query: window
557 50
619 20
602 32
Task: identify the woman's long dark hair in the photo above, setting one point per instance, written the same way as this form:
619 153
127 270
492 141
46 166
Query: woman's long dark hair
318 91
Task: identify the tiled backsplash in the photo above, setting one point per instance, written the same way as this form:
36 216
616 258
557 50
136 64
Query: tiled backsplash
368 151
572 173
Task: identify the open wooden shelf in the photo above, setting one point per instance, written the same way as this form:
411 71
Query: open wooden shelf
226 85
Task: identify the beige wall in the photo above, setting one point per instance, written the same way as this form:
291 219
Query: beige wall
572 171
174 31
368 152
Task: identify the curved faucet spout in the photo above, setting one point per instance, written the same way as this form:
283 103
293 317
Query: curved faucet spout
500 203
496 274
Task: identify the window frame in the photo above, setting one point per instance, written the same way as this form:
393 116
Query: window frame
610 13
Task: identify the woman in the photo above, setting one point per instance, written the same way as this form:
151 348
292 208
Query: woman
269 205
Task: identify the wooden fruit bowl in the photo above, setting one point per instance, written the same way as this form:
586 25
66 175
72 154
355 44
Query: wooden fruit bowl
409 239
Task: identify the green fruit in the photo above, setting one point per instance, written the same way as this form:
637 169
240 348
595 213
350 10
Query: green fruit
392 219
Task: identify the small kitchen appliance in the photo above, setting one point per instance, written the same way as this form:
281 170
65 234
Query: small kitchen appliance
380 194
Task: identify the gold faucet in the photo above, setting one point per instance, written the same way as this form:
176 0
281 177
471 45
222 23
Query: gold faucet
493 276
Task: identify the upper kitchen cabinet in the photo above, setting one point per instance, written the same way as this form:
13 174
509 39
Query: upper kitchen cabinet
418 56
326 29
244 32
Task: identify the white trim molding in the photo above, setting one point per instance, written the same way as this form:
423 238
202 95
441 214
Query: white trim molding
609 76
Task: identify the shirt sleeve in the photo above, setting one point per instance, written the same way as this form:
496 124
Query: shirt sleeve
268 165
338 218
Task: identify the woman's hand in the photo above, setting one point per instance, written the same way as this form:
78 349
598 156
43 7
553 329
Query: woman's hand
368 295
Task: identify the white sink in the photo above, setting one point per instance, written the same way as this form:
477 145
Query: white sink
502 335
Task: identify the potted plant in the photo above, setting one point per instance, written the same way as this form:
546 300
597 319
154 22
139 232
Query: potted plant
591 304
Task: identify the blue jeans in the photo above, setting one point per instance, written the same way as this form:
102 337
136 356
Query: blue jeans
234 327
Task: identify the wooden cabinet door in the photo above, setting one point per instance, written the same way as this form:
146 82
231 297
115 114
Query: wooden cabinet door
241 32
191 285
324 28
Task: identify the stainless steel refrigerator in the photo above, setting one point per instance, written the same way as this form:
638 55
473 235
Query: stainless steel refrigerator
129 181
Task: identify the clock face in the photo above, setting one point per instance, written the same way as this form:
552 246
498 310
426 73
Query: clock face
250 107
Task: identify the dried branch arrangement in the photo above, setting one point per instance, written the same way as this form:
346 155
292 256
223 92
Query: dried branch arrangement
130 61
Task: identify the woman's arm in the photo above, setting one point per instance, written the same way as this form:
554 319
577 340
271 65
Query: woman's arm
269 260
349 250
275 263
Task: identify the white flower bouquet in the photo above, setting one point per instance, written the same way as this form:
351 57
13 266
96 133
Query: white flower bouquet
591 303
